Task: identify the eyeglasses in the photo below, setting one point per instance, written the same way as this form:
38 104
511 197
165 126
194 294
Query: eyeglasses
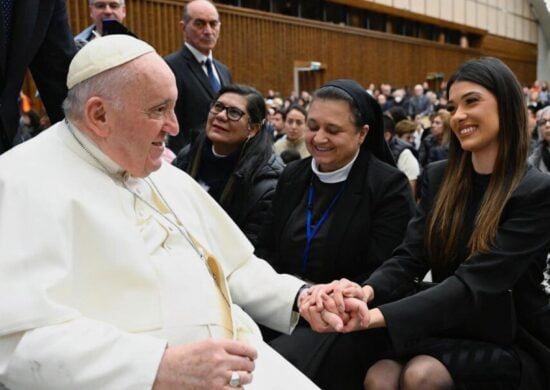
233 113
103 5
543 121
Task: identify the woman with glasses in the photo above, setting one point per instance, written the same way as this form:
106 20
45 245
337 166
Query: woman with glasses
233 158
540 158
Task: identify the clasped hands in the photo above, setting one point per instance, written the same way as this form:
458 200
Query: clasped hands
340 306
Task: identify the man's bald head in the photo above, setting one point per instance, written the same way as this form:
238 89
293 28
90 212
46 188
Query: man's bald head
201 25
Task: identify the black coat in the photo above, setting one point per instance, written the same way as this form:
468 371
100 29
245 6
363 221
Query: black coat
194 95
42 41
430 151
469 300
255 178
460 301
369 220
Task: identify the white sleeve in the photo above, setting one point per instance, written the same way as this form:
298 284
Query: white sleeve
79 354
268 297
408 164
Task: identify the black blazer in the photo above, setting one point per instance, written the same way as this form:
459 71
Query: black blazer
42 41
194 94
254 180
515 262
369 220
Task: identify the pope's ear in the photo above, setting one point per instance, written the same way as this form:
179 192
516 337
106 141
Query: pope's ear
96 116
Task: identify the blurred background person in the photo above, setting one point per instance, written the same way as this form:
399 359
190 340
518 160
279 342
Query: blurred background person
435 146
383 101
100 10
295 127
404 130
540 157
397 113
278 122
544 96
233 158
403 152
419 104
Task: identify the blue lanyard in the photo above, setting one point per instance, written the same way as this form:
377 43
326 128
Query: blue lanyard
312 231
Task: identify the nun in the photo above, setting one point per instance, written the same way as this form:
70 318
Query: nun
339 213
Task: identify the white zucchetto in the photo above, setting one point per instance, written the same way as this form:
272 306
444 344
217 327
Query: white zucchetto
105 53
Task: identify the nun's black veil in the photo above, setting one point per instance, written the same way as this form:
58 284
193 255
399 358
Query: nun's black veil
371 114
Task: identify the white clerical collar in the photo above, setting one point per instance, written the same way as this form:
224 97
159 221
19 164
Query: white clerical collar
336 176
201 58
97 154
217 154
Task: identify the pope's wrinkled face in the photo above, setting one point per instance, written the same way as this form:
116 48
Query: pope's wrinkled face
101 10
137 130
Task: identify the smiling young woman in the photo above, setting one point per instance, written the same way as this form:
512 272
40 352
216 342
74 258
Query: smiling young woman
482 228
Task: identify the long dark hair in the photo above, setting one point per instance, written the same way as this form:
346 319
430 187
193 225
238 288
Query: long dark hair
445 221
255 104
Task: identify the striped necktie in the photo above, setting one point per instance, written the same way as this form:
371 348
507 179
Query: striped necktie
211 77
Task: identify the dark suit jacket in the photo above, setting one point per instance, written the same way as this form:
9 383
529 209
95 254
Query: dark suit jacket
194 94
515 262
41 40
369 220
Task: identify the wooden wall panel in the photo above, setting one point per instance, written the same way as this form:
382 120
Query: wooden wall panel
260 48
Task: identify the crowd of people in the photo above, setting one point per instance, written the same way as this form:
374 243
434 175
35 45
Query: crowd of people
191 232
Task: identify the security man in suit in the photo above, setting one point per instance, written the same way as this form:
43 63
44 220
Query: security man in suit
33 35
198 75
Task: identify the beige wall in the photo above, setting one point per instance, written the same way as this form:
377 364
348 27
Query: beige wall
506 18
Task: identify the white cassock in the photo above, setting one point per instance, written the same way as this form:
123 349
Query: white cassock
95 283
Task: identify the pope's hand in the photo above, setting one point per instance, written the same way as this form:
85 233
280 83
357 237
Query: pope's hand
312 309
206 364
339 306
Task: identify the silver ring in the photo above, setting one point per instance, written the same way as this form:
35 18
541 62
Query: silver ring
235 380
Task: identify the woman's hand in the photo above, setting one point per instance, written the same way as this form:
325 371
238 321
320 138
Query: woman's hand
338 306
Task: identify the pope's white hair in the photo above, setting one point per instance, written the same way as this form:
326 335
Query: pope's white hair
108 85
